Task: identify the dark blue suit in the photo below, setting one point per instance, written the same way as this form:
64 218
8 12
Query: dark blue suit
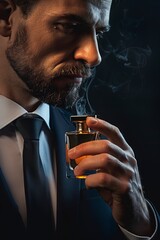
81 213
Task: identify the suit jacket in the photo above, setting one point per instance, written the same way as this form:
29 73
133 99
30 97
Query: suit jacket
81 213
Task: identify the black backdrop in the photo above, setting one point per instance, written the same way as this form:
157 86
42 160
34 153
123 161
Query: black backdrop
125 89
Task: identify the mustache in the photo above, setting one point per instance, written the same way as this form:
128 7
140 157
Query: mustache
73 69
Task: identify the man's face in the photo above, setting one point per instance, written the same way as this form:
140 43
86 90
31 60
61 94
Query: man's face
55 47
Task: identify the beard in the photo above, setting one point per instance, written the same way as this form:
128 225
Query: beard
41 84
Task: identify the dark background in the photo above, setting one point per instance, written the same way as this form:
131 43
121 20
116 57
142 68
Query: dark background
125 89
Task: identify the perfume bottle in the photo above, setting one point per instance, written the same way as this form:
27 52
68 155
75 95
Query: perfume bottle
82 134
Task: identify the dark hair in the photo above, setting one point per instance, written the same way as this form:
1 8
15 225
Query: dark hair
26 6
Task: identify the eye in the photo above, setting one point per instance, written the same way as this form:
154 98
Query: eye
67 27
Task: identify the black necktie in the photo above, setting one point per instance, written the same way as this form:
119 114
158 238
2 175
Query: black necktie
40 221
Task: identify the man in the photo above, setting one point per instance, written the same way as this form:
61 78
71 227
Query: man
47 49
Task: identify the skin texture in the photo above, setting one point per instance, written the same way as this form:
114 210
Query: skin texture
44 57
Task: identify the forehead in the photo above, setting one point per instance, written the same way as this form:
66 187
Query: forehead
91 10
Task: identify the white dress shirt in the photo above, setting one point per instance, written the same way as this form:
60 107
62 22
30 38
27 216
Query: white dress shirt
11 161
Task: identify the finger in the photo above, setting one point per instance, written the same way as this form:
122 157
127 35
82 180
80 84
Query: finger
108 182
104 163
108 130
98 147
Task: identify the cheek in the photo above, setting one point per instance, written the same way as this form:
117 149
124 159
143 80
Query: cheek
47 53
42 48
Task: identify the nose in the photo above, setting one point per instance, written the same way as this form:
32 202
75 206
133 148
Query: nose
88 50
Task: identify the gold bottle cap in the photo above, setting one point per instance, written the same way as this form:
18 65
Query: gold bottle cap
78 118
80 121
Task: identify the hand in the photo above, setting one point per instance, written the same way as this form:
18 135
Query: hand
117 177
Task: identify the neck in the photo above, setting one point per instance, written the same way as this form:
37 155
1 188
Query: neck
18 92
12 87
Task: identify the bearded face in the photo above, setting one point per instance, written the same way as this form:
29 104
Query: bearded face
58 87
54 48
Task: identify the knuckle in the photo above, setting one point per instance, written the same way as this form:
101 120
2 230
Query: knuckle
103 179
128 187
116 130
104 159
132 161
131 173
106 145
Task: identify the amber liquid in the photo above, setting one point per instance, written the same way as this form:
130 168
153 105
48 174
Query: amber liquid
73 139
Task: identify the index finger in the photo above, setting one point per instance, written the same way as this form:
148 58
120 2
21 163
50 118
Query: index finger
110 131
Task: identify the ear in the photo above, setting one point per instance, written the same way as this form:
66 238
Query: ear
7 7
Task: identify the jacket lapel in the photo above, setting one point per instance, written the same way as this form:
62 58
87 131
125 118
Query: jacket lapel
68 190
10 220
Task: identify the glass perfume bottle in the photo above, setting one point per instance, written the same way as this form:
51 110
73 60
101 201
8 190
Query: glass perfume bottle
82 134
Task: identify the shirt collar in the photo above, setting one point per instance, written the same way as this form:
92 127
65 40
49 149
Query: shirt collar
11 111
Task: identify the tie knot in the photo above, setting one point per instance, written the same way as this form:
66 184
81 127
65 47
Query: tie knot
29 126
